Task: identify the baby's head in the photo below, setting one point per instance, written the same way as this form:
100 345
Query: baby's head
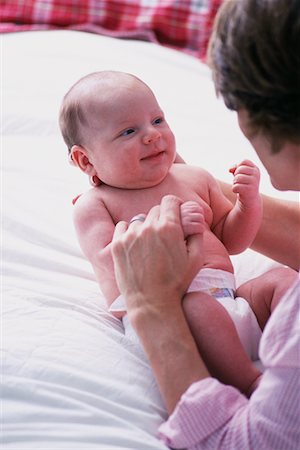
114 129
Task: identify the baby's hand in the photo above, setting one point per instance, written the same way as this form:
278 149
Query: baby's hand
192 218
246 181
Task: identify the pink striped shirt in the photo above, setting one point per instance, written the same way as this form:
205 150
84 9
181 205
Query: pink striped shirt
214 416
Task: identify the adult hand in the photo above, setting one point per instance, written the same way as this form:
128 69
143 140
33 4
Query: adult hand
154 264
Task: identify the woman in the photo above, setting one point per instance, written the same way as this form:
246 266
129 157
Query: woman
254 54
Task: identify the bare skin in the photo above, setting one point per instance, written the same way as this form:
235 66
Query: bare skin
159 302
129 147
280 224
173 352
260 290
242 73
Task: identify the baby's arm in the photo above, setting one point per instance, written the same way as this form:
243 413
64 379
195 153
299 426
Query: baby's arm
95 228
239 227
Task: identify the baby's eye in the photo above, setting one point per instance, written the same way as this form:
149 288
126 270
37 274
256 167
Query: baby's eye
128 131
158 120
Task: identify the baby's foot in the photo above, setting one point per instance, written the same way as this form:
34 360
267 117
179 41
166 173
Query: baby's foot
192 218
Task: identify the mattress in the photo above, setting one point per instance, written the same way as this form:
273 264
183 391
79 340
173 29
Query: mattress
70 377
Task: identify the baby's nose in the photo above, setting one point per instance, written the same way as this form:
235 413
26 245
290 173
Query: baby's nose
151 136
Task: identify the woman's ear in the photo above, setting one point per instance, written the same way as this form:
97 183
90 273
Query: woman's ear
80 158
244 123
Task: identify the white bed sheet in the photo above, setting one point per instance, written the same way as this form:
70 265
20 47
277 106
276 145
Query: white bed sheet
71 379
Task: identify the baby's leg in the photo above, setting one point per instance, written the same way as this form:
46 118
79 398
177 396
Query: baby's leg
265 292
219 343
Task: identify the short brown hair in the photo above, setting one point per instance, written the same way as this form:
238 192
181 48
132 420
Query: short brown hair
254 54
73 120
72 117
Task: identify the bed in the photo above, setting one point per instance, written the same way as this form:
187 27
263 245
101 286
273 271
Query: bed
70 378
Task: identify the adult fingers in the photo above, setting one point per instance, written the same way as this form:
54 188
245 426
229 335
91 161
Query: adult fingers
120 229
137 220
170 209
153 215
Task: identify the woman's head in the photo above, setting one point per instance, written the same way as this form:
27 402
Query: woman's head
254 54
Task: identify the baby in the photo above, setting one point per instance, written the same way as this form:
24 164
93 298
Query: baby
117 135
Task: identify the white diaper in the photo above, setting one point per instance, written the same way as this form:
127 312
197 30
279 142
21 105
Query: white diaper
220 285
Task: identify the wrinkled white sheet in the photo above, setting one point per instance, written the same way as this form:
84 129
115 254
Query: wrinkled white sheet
71 380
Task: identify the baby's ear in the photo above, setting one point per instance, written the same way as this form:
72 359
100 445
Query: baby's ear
80 158
95 181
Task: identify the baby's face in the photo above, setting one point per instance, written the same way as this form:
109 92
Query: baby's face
130 144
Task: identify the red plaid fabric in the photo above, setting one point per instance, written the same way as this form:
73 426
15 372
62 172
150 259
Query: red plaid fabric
181 24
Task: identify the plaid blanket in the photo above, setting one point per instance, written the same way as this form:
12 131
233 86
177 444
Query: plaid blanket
181 24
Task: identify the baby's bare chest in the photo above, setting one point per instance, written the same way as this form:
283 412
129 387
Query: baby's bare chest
124 204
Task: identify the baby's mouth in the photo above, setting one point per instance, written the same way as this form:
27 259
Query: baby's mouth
153 156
